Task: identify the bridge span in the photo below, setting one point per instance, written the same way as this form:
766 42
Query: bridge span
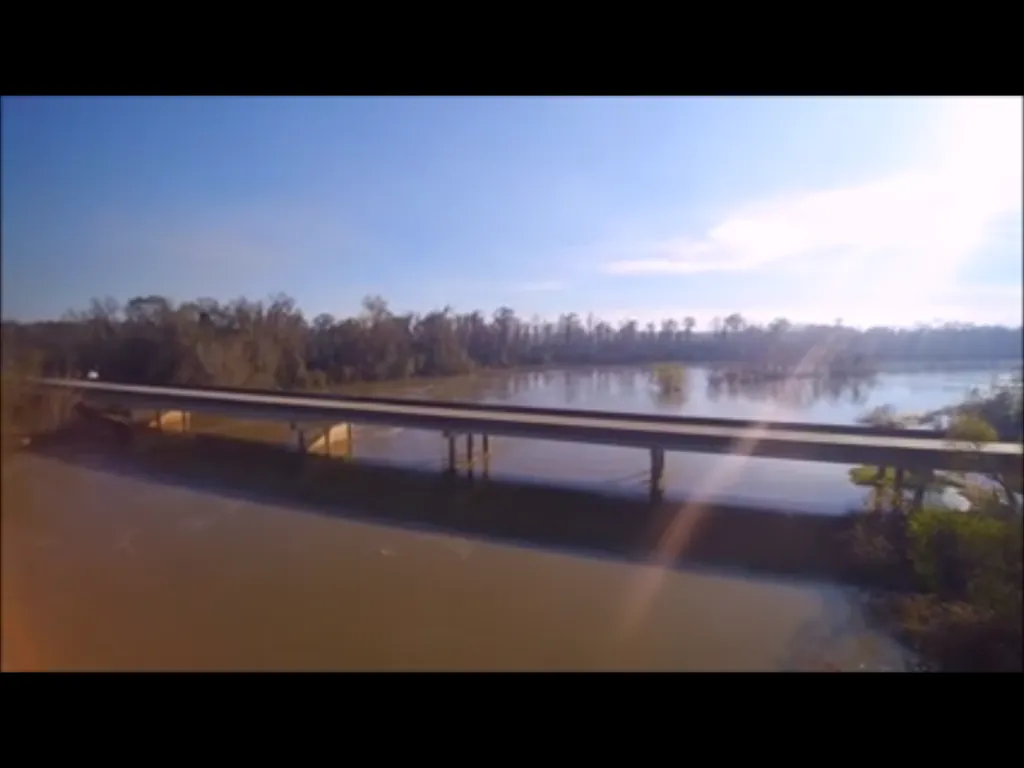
902 450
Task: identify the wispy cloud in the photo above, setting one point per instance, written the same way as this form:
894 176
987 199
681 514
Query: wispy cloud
925 222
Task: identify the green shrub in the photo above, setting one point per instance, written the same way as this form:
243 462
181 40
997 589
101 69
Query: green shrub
971 428
950 551
970 564
670 378
961 572
868 476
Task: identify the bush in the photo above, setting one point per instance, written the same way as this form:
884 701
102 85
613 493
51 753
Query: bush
961 573
971 428
670 378
956 554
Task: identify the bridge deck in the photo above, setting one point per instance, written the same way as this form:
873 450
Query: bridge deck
845 445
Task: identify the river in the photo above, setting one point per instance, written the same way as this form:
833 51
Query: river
791 485
106 571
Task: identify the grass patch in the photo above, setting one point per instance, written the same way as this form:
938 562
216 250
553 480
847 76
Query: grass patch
868 476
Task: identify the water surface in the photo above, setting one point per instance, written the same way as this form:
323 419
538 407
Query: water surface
102 571
793 485
107 572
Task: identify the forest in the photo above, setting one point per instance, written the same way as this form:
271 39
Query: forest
271 344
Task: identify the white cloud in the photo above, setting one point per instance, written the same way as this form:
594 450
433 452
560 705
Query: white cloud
912 231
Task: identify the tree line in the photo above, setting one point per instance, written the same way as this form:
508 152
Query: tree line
271 344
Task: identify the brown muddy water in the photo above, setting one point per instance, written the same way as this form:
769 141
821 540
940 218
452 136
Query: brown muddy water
111 571
107 572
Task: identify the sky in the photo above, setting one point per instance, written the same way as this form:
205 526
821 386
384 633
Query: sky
866 210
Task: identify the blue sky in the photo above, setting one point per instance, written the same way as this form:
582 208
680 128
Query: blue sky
880 210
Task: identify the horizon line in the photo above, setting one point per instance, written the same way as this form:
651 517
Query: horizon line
621 317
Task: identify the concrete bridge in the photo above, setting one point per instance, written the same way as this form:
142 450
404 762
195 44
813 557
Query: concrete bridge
317 413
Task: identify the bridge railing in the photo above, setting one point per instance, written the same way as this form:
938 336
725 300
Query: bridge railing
651 418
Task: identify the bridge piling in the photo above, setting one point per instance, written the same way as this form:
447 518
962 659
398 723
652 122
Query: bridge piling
452 457
897 490
486 440
316 437
657 474
917 504
879 487
469 454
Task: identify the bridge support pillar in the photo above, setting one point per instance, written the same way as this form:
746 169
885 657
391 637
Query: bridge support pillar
657 474
918 502
897 490
453 460
171 421
320 438
879 487
471 457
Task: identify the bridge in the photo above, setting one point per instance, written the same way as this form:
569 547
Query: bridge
883 447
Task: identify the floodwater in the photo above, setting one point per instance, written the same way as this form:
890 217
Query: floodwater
792 485
108 572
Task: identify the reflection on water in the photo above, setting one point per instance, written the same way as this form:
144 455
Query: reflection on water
631 389
799 486
794 393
